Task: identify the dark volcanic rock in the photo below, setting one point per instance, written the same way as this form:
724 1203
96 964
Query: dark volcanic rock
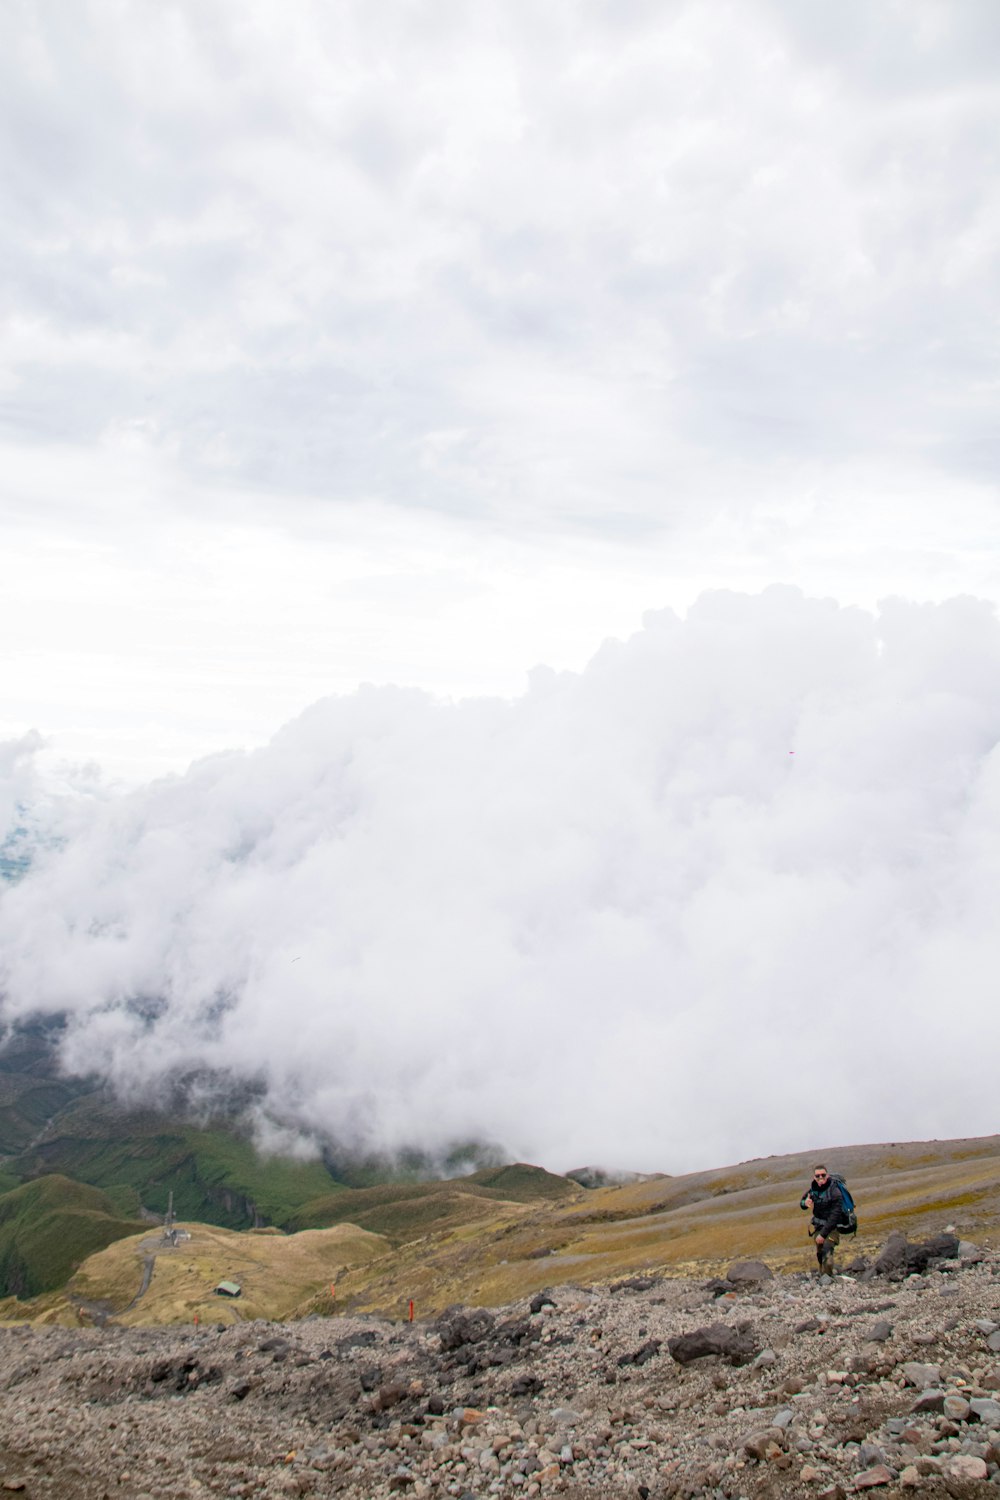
938 1247
460 1328
540 1300
639 1356
363 1340
899 1258
735 1344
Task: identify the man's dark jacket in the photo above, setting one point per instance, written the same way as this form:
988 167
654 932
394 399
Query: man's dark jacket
828 1211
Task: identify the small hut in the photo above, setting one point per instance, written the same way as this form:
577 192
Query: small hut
228 1289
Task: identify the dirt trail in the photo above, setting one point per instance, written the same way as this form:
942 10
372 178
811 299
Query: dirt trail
101 1312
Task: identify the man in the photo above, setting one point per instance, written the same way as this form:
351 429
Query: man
828 1216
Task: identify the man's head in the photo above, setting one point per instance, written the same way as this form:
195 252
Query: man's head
820 1176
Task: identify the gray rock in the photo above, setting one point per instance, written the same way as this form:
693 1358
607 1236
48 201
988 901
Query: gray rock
758 1443
880 1331
915 1373
985 1410
929 1400
634 1284
783 1418
870 1454
566 1416
993 1342
985 1326
749 1272
956 1408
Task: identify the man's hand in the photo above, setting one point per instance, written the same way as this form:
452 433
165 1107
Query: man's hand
809 1202
819 1239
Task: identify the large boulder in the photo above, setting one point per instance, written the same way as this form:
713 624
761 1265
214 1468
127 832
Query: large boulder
748 1273
458 1327
900 1258
738 1345
891 1261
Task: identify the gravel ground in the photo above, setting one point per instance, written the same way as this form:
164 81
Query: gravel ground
582 1396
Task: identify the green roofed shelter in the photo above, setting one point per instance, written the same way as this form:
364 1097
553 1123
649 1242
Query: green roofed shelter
228 1289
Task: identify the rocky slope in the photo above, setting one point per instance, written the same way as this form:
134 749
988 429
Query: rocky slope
887 1382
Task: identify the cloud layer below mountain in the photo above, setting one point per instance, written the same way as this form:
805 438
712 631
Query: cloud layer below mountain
730 890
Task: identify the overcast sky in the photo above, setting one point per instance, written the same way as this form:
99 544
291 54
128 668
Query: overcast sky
425 345
426 342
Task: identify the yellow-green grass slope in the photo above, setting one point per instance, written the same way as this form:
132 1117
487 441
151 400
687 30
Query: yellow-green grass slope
443 1245
403 1211
275 1272
691 1225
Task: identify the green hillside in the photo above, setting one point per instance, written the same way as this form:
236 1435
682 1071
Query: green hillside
51 1125
139 1158
31 1091
520 1183
48 1228
401 1211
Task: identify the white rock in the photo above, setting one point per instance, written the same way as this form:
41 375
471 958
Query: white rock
965 1466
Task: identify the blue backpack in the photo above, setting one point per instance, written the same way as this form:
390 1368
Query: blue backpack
850 1217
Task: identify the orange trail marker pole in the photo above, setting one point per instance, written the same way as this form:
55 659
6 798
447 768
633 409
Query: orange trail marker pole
411 1309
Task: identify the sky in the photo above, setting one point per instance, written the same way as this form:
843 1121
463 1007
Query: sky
375 382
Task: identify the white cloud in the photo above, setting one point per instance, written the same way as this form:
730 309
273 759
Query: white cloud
616 301
339 351
644 914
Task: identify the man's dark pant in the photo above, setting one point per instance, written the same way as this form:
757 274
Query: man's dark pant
824 1252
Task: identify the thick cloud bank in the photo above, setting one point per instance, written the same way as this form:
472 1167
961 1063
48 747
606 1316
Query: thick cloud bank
731 890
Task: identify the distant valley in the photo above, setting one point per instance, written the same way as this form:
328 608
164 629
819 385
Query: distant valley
84 1185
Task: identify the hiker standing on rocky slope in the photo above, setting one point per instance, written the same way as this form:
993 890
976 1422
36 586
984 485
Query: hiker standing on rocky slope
830 1214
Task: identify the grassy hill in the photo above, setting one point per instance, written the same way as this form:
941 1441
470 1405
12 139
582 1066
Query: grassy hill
694 1224
51 1125
400 1211
139 1158
48 1228
279 1276
508 1235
